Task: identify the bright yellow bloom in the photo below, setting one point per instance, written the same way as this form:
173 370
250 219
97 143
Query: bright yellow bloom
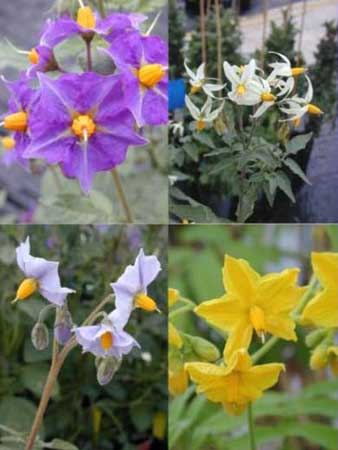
322 310
234 385
324 356
173 296
159 425
253 303
178 381
174 337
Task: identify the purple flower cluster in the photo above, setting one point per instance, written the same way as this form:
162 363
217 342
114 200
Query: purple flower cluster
86 122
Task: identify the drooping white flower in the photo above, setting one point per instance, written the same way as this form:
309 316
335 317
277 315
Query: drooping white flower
262 89
198 81
297 107
284 68
176 128
240 79
205 114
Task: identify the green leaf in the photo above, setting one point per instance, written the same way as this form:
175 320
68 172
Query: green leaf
296 169
140 6
284 184
298 143
11 58
17 413
205 139
33 378
198 214
59 444
246 205
141 417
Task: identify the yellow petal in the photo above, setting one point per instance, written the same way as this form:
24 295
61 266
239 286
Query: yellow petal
240 361
178 382
325 266
173 295
239 279
281 326
322 310
239 338
234 409
174 337
260 378
210 380
224 312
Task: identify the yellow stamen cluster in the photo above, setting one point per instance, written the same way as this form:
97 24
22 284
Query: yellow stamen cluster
195 89
8 143
144 302
26 288
268 97
241 89
86 17
296 71
151 74
106 340
200 125
313 109
16 121
33 56
83 125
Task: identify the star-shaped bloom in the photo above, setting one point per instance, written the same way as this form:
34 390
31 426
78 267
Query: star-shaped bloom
143 63
253 303
82 123
41 275
235 385
284 68
131 287
199 81
22 98
106 339
205 114
262 89
322 310
240 79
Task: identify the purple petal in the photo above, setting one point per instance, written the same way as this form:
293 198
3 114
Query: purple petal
126 50
22 253
154 107
148 268
56 31
155 50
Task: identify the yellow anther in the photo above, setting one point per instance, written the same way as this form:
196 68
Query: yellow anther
313 109
83 124
241 69
86 18
319 358
106 340
8 143
296 71
33 56
173 296
296 122
16 121
200 125
257 319
144 302
241 89
268 97
151 74
195 89
26 289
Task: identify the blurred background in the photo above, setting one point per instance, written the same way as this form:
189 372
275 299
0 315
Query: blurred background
130 412
303 30
35 197
301 412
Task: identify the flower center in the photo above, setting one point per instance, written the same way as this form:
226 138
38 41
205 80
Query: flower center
26 288
268 97
313 109
195 89
33 56
8 143
297 122
83 126
296 71
257 319
86 17
241 89
16 121
106 340
143 301
233 385
150 74
200 125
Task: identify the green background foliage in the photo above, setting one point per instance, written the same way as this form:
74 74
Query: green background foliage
120 414
300 412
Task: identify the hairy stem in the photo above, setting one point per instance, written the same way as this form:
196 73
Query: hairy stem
89 56
251 428
121 195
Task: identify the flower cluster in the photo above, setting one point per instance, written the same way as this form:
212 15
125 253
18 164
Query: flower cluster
247 85
107 340
85 122
254 304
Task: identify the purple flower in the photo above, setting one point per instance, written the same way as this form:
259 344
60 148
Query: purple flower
21 100
41 275
81 122
106 339
131 288
143 63
117 23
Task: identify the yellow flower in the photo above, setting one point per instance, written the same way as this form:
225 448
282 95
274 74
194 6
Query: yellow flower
235 385
324 356
322 310
159 425
174 337
173 296
333 359
178 381
253 303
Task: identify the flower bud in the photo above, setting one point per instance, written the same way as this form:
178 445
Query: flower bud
203 348
106 369
319 358
40 336
63 325
315 337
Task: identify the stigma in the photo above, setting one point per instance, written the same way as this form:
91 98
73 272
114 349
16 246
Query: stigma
106 340
86 17
33 56
313 109
257 319
26 289
16 121
296 71
83 126
200 125
268 97
150 75
144 302
241 89
8 143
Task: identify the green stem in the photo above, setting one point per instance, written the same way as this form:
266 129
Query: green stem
181 310
263 350
251 428
89 56
102 9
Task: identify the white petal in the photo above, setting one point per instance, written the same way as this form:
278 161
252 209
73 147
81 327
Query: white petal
194 111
